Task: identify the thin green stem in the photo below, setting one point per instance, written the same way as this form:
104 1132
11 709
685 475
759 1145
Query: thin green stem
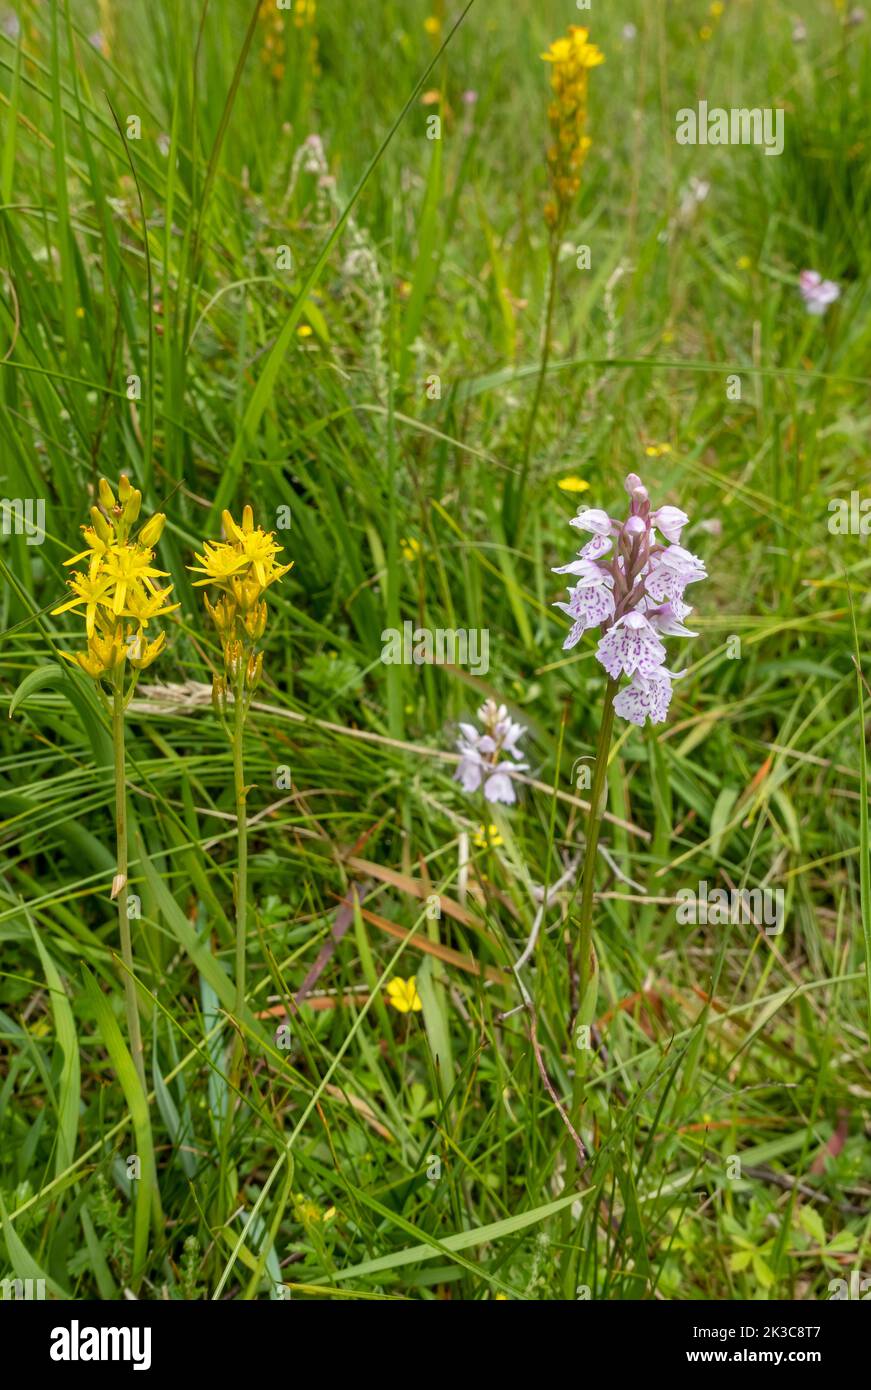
119 887
242 839
594 821
586 975
514 521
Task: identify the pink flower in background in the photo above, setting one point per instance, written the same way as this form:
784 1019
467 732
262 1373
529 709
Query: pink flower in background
483 760
630 583
816 292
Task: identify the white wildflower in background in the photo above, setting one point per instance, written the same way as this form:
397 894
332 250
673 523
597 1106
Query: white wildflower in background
487 753
631 576
816 292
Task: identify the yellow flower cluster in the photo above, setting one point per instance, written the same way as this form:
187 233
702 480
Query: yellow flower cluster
241 568
117 595
304 12
273 52
273 46
571 58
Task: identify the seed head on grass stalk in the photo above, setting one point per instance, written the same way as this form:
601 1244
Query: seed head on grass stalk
119 598
240 569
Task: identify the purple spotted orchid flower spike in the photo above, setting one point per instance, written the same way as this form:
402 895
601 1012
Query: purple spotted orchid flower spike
631 584
485 757
630 579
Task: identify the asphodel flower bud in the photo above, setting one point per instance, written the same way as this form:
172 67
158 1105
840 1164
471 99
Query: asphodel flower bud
152 530
255 621
125 488
219 694
254 671
234 658
101 526
246 593
222 614
132 506
107 496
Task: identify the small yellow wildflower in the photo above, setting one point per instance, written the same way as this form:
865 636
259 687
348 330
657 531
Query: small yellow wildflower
656 451
573 483
705 33
403 995
717 8
127 568
487 835
668 335
304 330
92 593
306 1210
410 547
432 24
744 263
275 36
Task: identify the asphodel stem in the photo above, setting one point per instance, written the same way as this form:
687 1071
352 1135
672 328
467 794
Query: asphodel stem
539 387
134 1030
242 835
594 821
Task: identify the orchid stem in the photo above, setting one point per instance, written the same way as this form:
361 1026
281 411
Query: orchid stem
119 887
594 821
587 1007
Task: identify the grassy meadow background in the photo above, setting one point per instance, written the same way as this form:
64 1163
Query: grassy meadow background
366 1152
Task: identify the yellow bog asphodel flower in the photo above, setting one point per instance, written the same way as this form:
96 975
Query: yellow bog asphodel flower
117 596
571 59
241 568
